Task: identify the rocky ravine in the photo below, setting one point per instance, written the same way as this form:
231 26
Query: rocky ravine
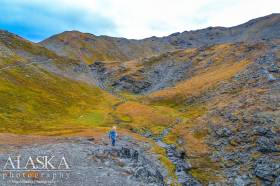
179 160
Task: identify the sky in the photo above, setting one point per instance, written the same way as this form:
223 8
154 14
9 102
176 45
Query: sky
135 19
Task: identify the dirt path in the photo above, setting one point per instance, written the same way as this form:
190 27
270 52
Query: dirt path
22 65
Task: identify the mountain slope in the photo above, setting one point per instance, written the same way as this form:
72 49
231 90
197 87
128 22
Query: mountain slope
166 70
41 92
36 93
233 116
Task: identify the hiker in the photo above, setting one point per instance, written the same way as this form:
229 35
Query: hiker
113 135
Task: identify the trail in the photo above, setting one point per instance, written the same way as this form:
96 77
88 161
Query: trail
22 65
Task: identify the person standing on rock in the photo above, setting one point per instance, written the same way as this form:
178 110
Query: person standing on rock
113 135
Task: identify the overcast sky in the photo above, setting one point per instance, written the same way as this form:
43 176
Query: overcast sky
39 19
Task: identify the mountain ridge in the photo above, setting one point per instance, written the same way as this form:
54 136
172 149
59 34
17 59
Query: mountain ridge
90 48
175 33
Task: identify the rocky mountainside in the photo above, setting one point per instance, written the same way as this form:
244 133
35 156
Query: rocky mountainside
237 118
166 70
208 100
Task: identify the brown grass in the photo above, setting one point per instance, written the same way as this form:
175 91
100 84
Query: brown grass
143 115
197 84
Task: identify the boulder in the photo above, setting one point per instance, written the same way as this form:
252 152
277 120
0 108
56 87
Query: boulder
277 181
242 181
223 132
262 131
267 169
266 145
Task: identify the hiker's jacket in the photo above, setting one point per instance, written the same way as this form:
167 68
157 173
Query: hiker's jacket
113 134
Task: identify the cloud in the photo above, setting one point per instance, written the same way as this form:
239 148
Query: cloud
38 19
143 18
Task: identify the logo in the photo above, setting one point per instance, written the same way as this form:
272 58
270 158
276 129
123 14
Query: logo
35 169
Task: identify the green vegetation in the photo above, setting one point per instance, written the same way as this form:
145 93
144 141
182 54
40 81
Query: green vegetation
204 170
34 100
